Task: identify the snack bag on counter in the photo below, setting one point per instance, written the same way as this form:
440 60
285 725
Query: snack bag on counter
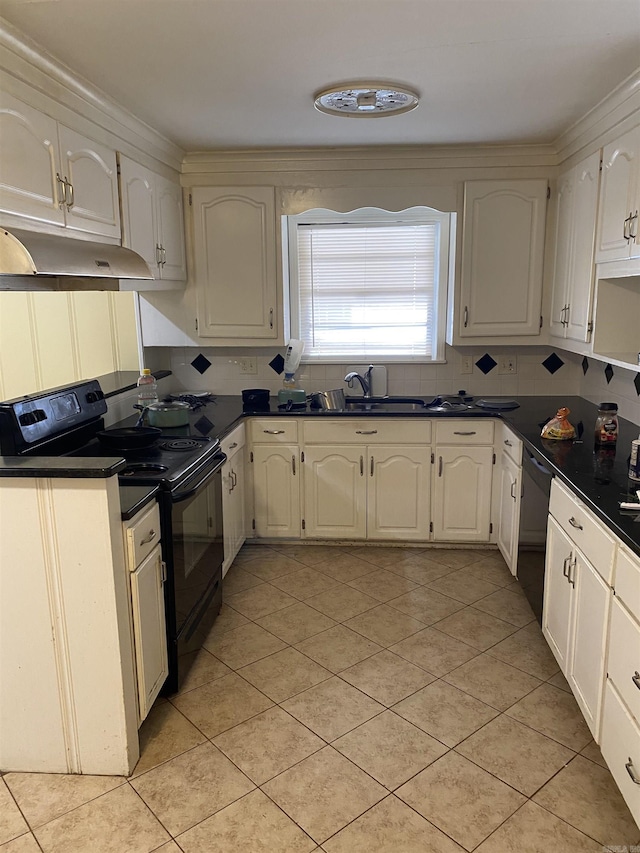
559 427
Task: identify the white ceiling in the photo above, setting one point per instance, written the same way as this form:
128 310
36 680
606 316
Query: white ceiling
242 73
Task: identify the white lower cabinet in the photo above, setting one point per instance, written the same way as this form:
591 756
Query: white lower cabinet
576 598
276 491
358 492
149 629
147 576
462 494
620 746
233 495
508 519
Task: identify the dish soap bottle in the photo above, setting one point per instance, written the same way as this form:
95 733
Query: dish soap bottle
147 388
634 461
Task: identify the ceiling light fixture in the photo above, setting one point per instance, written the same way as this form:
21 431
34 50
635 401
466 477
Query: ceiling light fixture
365 100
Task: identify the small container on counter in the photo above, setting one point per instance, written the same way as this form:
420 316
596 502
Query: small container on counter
606 430
634 461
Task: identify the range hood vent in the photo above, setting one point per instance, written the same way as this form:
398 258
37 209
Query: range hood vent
30 260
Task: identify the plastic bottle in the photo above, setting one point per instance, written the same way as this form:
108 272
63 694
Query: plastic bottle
147 388
634 461
606 431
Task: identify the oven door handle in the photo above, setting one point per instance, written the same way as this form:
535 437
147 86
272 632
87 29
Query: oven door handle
177 497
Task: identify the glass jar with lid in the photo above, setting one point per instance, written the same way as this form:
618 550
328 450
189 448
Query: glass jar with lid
606 431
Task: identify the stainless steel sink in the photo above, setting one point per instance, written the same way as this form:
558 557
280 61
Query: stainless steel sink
366 404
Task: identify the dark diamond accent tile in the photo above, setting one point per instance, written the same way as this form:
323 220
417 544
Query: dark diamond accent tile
608 372
204 425
585 365
552 363
277 364
201 363
636 382
486 363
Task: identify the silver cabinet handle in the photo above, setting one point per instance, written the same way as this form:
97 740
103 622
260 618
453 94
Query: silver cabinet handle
273 431
458 432
629 768
235 478
513 486
572 578
366 432
164 256
624 227
566 319
636 679
71 200
231 446
149 538
508 443
575 524
271 318
293 465
362 466
371 471
633 234
440 466
466 317
565 563
62 190
158 254
163 571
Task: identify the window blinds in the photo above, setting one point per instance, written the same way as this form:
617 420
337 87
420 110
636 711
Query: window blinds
368 290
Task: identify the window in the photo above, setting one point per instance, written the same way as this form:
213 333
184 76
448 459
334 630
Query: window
370 284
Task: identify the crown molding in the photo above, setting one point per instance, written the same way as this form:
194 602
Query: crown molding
605 121
30 65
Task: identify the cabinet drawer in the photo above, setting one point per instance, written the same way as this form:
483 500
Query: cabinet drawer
464 432
624 657
620 745
511 444
584 529
627 580
273 431
142 535
234 441
367 431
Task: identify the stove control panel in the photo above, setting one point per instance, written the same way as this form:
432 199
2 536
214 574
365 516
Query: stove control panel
26 421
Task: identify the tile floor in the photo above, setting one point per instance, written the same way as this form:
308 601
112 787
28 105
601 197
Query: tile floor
349 700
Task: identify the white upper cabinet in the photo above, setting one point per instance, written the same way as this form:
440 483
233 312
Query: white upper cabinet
502 258
53 175
152 220
572 301
617 236
235 262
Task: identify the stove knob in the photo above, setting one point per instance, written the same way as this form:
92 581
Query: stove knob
94 396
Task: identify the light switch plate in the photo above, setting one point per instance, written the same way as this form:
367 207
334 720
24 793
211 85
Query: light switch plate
508 364
248 364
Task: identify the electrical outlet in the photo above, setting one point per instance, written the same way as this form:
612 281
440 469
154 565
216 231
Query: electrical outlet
466 364
248 364
508 364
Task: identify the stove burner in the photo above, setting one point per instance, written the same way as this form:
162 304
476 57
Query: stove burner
135 467
183 444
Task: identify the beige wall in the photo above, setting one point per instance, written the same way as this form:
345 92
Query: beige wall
51 339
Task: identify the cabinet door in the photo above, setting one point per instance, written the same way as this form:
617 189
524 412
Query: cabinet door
149 629
29 163
233 499
585 672
276 491
335 492
462 494
91 168
556 612
171 230
235 261
502 257
562 265
617 196
509 516
580 283
398 493
139 205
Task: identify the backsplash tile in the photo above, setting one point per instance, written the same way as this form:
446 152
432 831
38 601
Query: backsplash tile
422 380
609 372
623 389
201 363
553 363
486 363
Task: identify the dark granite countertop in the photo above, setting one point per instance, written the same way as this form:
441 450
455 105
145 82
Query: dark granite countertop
60 466
134 498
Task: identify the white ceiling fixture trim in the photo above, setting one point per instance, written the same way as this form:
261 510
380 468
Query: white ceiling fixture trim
366 99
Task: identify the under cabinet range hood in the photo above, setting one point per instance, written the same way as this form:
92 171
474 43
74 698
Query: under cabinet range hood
30 260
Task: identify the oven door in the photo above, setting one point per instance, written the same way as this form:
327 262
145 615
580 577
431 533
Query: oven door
192 537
